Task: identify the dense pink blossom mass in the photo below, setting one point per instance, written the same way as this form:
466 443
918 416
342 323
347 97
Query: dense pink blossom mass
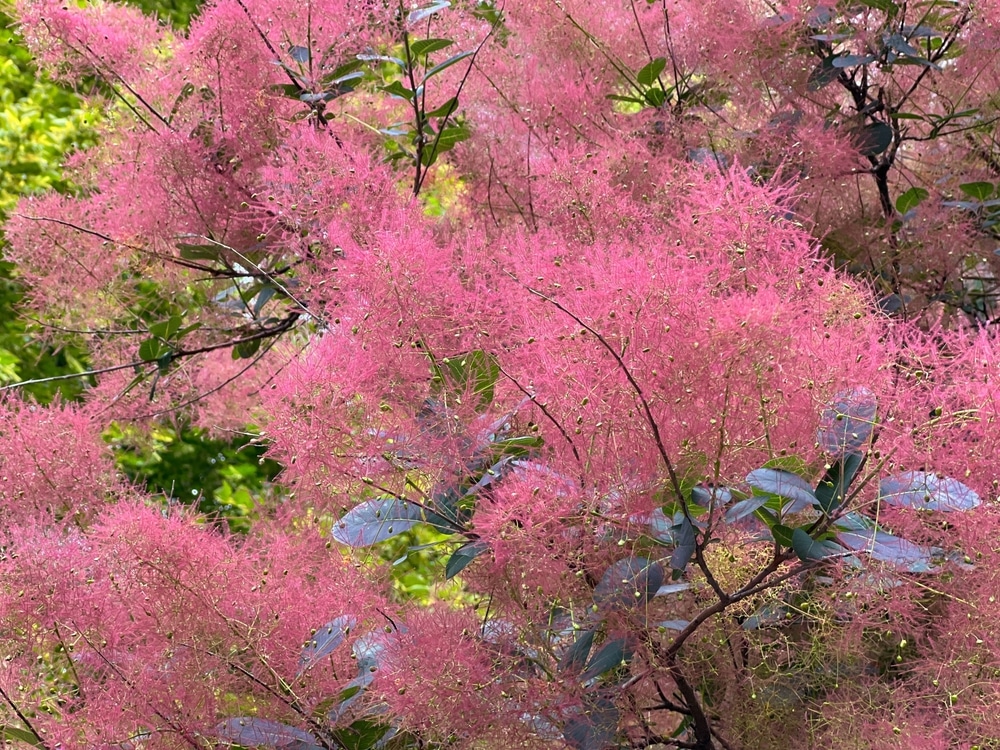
669 323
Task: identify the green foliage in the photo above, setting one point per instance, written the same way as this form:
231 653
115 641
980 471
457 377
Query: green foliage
225 479
40 122
176 12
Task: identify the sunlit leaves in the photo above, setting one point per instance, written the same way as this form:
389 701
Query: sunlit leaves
374 521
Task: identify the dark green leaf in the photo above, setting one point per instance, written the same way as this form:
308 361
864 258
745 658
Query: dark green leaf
873 139
980 191
831 492
363 734
898 43
596 728
886 6
151 349
166 329
246 349
782 534
350 694
422 47
375 57
773 613
808 548
461 557
911 60
396 88
610 656
744 508
445 110
291 90
911 199
655 97
686 541
349 70
262 297
785 485
446 64
199 252
576 655
186 90
629 583
649 74
823 74
847 423
14 734
888 548
472 374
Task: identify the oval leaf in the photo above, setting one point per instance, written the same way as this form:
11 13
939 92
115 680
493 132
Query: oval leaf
831 492
850 61
610 656
808 548
927 491
980 191
595 728
252 732
461 557
911 199
672 588
888 548
873 139
686 542
784 484
847 423
325 640
447 64
376 520
771 614
415 16
576 655
629 583
823 74
422 47
648 74
744 508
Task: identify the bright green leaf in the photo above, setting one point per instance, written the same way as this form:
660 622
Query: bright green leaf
648 75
